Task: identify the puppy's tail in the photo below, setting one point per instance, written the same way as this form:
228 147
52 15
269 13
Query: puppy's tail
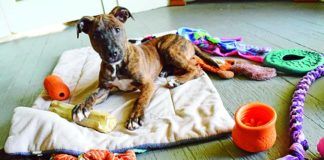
205 56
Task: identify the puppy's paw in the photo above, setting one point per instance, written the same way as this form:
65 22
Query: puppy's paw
80 112
172 82
200 72
135 121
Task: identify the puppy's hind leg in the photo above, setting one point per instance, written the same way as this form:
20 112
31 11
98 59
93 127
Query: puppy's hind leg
192 71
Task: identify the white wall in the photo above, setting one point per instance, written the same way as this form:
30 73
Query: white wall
142 5
26 15
4 29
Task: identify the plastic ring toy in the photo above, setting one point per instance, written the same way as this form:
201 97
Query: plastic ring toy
294 61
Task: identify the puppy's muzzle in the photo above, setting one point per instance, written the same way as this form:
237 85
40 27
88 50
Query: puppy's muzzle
113 56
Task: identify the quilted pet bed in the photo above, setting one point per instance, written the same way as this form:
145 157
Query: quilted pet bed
188 113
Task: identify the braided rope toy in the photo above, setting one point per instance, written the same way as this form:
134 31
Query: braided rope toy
299 143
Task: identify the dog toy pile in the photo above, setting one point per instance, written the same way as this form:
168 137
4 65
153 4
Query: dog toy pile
100 121
223 46
294 61
97 155
299 143
254 72
56 88
227 68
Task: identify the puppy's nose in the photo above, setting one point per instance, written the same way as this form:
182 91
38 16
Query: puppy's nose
115 53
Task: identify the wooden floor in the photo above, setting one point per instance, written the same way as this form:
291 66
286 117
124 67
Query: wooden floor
25 62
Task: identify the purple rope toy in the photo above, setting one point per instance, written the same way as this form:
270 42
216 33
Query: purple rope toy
299 143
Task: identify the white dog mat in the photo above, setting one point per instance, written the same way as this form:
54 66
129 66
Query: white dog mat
188 113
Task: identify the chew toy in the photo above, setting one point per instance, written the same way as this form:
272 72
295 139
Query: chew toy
97 154
320 147
222 71
254 129
294 61
56 88
299 144
254 72
63 157
100 121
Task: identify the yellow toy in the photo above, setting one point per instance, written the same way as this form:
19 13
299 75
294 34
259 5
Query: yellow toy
100 121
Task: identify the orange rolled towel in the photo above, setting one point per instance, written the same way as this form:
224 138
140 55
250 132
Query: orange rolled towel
56 88
222 71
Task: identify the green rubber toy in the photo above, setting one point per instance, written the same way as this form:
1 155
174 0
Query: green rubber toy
293 61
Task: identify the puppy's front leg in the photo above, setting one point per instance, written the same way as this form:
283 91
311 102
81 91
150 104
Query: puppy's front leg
82 110
136 118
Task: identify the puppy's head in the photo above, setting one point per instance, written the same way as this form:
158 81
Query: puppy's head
107 33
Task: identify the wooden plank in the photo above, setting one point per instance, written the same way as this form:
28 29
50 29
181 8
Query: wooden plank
22 81
55 46
220 19
23 16
14 80
227 29
142 5
277 93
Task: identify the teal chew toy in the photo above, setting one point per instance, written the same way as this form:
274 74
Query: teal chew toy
294 61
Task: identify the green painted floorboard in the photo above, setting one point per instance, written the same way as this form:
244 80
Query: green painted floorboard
25 62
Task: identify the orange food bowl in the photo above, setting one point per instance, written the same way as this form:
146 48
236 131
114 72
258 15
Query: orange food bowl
254 129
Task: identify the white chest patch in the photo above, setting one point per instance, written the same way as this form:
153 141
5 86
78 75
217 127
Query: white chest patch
123 84
114 70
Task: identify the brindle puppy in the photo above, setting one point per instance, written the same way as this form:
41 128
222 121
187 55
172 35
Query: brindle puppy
129 67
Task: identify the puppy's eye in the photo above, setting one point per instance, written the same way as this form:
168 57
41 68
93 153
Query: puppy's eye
115 54
117 30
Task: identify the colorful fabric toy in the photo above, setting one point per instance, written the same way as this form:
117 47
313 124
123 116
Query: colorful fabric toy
299 143
96 154
254 72
223 46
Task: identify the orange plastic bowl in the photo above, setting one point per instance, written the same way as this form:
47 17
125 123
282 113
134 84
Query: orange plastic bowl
254 129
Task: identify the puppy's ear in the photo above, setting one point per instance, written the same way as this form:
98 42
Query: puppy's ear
84 24
121 13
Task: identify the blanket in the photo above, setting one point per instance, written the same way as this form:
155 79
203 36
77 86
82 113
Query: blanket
189 113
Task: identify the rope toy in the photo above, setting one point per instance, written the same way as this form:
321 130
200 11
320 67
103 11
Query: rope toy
299 143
